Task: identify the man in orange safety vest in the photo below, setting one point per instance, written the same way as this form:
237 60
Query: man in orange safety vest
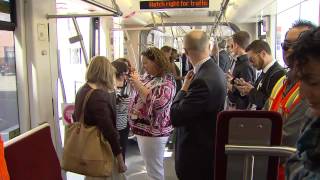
285 97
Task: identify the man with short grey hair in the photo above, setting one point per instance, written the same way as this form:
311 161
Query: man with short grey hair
194 111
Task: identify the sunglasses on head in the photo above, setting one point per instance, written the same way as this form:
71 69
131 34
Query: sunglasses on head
286 45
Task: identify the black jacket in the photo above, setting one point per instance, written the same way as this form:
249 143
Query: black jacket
244 70
194 114
261 93
224 60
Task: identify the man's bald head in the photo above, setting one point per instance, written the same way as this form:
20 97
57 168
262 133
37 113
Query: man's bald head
196 41
292 37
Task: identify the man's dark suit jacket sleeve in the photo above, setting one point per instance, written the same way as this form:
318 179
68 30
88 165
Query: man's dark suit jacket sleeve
223 61
248 74
258 97
186 106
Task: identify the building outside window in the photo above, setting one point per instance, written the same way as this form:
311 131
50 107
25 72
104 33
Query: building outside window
9 114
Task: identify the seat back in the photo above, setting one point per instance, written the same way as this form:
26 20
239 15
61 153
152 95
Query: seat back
32 156
247 128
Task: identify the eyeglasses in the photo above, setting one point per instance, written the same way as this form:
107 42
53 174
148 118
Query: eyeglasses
251 58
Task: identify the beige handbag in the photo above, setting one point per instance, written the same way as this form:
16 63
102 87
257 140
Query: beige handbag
85 149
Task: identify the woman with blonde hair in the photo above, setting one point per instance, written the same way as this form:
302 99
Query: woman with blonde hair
100 108
150 110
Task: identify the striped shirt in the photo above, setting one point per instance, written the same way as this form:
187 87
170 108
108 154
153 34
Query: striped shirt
122 108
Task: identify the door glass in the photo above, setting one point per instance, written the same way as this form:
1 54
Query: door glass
72 61
285 19
72 65
9 115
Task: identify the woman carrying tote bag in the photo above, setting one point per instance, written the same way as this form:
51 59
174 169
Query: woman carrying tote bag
100 111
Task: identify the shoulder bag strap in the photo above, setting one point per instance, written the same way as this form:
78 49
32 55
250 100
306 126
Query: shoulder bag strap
86 98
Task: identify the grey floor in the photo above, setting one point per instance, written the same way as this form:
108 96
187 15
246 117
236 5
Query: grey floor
136 169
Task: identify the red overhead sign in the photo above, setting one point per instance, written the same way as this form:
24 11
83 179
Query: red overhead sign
174 4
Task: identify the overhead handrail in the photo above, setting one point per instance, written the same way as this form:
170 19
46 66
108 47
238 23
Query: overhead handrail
223 8
153 20
281 151
51 16
114 10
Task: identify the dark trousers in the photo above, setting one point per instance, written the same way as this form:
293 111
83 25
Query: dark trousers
124 140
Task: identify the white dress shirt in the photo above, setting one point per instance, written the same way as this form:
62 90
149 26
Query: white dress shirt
199 64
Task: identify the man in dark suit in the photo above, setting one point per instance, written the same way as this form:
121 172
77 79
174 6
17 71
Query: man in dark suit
242 69
259 54
219 50
194 111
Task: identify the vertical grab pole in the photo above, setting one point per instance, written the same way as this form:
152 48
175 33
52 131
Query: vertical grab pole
60 77
85 55
216 46
129 43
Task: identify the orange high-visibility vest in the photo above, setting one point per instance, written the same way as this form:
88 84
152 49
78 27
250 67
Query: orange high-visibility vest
284 104
4 175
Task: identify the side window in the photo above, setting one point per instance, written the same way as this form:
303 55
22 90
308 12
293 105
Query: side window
9 115
9 112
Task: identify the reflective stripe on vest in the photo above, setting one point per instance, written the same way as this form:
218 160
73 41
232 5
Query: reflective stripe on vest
275 91
281 104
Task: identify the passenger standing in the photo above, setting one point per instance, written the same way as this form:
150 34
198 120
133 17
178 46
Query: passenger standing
128 63
242 69
195 109
229 48
285 97
171 54
122 103
305 165
224 59
100 109
259 54
149 113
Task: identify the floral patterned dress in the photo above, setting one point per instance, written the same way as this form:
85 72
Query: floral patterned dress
150 116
